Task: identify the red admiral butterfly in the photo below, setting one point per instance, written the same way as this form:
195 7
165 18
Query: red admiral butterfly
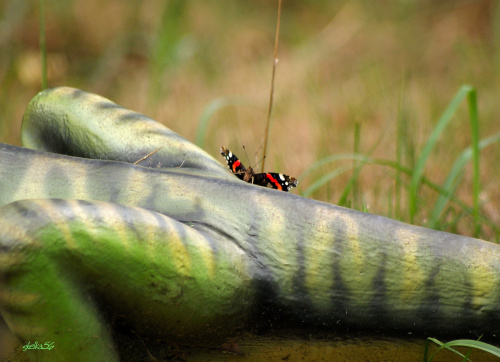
276 181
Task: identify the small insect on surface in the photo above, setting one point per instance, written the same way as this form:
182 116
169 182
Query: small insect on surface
273 180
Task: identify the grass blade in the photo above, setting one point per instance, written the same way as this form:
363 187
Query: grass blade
431 142
464 343
474 126
406 171
333 158
452 180
324 179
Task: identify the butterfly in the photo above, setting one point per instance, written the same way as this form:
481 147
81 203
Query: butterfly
273 180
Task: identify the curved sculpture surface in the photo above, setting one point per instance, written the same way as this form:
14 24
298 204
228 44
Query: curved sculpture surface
184 251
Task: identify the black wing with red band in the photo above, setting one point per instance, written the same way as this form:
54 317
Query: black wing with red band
234 164
273 180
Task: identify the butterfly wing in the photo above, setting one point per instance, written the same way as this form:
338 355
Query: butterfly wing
234 164
276 181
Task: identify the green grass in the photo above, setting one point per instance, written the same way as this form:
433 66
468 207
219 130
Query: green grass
495 351
445 191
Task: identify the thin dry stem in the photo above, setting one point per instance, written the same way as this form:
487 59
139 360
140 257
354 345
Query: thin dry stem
275 61
149 154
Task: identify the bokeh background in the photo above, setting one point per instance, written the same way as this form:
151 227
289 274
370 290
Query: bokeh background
343 65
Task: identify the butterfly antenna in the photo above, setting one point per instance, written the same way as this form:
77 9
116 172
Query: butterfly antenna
246 155
262 159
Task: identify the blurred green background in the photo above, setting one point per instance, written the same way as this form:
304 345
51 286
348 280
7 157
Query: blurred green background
370 65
